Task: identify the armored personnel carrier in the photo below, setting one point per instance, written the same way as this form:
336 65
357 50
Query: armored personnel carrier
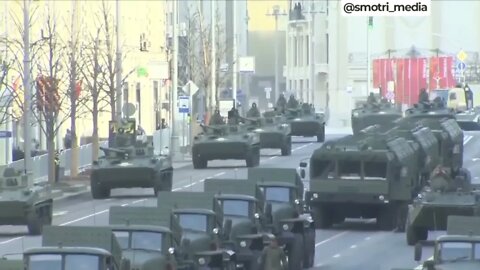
203 227
24 203
444 197
273 130
457 250
229 141
130 163
361 176
76 247
304 121
284 191
374 113
148 236
469 120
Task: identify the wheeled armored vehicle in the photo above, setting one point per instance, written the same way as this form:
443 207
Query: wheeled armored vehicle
230 141
131 162
372 114
23 202
304 121
469 120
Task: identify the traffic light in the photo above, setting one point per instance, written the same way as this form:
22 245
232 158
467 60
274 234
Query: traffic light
370 22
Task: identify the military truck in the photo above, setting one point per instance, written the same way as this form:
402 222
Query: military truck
444 197
76 247
274 132
284 191
203 226
458 249
421 138
225 142
7 264
469 120
374 113
130 163
149 237
24 203
304 121
362 177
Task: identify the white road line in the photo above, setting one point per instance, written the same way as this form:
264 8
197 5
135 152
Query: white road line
467 139
367 238
336 255
138 201
353 246
61 213
330 239
420 267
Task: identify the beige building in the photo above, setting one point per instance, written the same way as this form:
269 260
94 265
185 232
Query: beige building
141 22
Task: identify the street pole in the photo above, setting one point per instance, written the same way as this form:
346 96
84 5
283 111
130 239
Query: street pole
312 57
235 56
174 98
213 66
276 91
27 139
368 55
118 75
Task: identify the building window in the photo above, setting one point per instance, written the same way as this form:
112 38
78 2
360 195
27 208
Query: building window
326 45
139 102
157 105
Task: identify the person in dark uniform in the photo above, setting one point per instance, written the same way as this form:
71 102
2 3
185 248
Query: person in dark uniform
281 103
216 119
233 115
371 99
56 160
273 257
292 102
423 97
253 112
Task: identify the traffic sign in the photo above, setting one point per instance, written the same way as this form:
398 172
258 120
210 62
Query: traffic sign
461 55
183 104
5 134
461 66
190 88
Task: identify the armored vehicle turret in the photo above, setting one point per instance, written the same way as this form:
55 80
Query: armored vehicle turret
458 249
150 237
361 176
469 120
24 203
131 162
76 247
203 227
445 196
304 121
229 141
283 190
273 130
374 113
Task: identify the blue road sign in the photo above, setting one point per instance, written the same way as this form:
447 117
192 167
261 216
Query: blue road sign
461 66
5 134
183 104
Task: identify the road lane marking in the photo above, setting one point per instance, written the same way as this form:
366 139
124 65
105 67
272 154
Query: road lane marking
331 238
466 139
134 202
336 255
353 246
420 267
367 238
60 213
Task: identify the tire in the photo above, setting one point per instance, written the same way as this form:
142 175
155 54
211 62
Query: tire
253 158
163 181
387 217
287 147
402 213
295 254
35 223
47 215
321 217
321 134
414 234
199 162
98 191
309 248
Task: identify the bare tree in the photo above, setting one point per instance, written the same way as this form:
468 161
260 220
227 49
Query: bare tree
52 92
109 59
7 96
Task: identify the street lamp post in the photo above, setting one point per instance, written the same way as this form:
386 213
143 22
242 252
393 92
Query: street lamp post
118 75
276 13
27 140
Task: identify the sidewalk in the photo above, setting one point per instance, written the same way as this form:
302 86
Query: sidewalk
73 186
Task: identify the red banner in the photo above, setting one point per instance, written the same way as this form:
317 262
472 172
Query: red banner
410 78
382 73
441 72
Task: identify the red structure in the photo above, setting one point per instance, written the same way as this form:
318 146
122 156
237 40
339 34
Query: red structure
47 94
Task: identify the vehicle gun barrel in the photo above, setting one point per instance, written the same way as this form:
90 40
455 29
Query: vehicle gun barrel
106 150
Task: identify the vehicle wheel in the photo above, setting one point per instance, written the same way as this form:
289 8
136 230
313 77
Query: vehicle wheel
466 177
295 254
199 163
309 248
321 217
35 223
163 181
287 147
321 134
386 218
47 215
253 158
402 213
98 191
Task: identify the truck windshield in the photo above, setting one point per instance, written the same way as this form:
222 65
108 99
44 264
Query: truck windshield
147 240
277 194
455 251
194 222
235 208
71 261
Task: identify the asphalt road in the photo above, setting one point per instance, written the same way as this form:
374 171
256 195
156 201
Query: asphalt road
350 246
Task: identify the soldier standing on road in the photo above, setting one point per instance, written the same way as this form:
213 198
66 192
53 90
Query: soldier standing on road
273 257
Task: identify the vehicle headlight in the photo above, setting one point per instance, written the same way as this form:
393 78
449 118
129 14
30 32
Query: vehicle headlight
285 227
215 230
297 201
381 197
243 244
403 172
171 250
315 195
355 114
257 215
201 261
420 196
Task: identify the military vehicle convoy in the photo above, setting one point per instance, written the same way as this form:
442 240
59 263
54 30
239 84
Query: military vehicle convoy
150 237
273 130
225 142
24 203
469 120
458 249
129 163
304 121
284 193
76 247
372 114
361 176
